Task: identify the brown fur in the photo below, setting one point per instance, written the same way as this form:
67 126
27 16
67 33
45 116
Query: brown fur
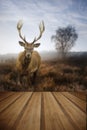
32 66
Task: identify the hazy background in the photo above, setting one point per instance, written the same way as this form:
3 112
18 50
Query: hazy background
55 13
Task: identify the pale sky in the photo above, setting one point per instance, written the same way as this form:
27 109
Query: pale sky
54 13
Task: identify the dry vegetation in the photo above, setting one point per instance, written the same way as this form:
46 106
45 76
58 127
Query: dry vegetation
54 75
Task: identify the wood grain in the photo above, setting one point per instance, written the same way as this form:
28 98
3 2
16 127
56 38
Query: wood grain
77 116
9 116
54 115
80 103
42 111
31 117
81 95
4 95
8 101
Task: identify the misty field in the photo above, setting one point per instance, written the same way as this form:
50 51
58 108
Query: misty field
54 75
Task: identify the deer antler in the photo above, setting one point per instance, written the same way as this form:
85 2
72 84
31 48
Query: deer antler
41 28
19 26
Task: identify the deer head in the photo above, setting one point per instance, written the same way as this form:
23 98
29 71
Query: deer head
29 46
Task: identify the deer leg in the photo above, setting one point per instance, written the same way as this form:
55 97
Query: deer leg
29 80
18 79
34 77
35 74
24 81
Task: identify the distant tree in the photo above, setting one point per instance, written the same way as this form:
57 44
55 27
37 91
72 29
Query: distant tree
65 38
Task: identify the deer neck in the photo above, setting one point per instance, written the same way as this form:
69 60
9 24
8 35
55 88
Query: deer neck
26 62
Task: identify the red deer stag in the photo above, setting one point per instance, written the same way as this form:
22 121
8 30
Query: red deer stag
28 61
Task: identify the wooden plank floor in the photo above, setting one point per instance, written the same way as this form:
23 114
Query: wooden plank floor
42 111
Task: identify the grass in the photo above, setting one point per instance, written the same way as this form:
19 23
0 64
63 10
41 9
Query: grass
54 75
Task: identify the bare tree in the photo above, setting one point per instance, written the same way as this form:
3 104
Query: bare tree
65 38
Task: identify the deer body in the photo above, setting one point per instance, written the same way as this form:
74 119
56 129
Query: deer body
28 61
24 65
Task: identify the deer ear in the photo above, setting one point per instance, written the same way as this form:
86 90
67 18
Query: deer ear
37 45
21 43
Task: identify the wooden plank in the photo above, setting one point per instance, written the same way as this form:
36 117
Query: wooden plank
4 95
31 117
54 117
75 114
8 101
10 115
80 103
41 111
81 95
